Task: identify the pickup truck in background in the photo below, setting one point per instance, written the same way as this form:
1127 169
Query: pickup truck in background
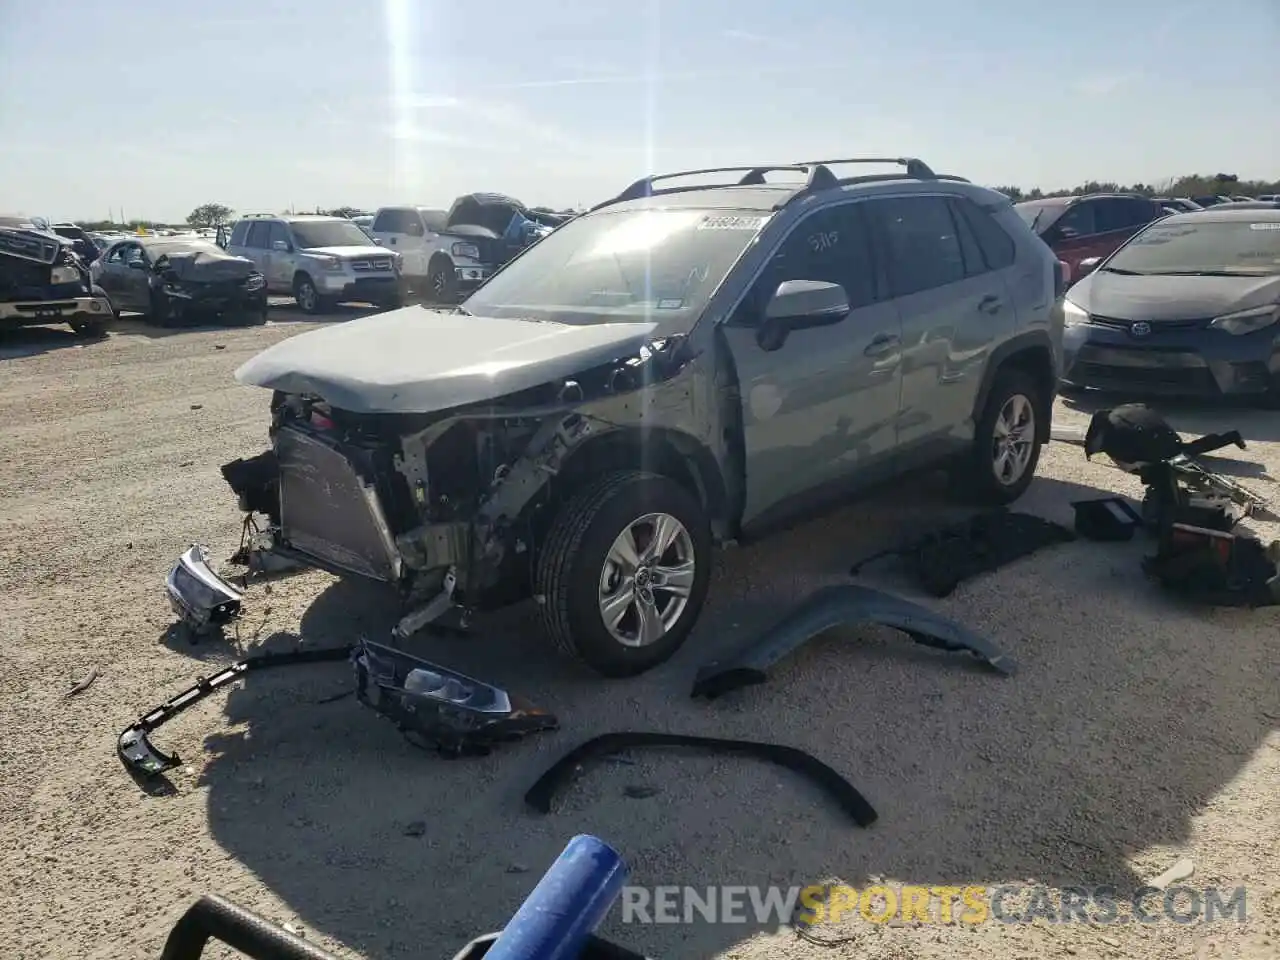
446 254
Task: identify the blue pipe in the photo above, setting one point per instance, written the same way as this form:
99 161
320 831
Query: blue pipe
566 906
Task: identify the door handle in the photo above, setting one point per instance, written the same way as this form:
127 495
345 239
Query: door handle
990 304
882 344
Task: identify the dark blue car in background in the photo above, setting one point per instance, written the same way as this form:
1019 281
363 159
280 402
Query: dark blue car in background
1188 307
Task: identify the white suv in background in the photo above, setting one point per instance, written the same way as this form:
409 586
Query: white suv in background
320 261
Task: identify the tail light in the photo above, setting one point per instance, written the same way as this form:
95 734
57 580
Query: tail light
1062 278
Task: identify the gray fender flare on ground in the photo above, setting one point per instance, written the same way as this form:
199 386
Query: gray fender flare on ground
849 605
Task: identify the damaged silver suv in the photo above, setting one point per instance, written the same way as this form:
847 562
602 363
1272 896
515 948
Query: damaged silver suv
682 366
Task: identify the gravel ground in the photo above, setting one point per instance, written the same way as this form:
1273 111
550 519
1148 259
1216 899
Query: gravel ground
1137 733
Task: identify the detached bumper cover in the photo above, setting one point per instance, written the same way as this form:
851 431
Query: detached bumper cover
849 604
67 310
436 707
200 598
139 755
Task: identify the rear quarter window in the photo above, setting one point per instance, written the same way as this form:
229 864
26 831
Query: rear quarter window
998 248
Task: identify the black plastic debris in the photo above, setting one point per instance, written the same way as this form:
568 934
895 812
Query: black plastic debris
1215 567
1108 519
944 558
540 796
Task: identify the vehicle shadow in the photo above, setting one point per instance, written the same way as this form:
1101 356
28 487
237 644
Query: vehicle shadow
1127 715
21 342
1191 416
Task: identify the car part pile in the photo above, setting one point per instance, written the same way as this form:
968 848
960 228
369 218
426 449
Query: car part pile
557 919
942 559
1190 510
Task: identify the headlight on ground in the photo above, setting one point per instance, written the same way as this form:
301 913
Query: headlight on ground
1247 321
64 275
468 250
1073 315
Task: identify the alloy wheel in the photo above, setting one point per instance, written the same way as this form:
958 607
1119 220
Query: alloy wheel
646 580
1013 439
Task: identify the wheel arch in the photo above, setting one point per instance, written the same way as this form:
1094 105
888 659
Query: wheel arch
661 450
1032 353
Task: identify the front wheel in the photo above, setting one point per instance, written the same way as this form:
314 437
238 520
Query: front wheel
623 572
442 281
1007 440
308 297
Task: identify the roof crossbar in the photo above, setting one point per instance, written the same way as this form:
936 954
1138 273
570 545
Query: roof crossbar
916 169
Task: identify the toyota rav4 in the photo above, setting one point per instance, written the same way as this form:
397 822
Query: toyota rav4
683 366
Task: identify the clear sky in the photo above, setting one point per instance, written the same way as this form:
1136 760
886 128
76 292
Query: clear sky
263 104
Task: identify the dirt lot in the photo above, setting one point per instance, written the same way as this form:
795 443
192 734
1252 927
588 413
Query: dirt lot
1136 733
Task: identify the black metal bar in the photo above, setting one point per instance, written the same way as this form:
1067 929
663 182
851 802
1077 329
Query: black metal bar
213 918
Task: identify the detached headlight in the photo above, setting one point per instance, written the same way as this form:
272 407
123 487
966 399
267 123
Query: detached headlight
1247 321
468 250
1073 315
256 282
330 263
64 275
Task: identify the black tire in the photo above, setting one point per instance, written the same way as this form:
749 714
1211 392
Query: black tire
978 477
442 281
309 300
161 312
90 329
572 560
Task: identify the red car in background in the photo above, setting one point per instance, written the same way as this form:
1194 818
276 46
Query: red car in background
1094 225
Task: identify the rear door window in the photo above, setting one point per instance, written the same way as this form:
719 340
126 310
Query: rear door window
278 233
1122 213
924 250
397 221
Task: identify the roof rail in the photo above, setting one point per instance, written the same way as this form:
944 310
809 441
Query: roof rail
818 176
750 176
256 216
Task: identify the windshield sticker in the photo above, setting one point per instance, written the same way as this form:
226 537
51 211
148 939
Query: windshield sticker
827 240
1264 226
674 304
732 223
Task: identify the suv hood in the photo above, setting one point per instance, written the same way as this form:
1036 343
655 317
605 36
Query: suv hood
422 361
1156 298
348 253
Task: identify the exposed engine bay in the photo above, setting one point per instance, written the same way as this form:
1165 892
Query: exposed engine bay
42 280
443 505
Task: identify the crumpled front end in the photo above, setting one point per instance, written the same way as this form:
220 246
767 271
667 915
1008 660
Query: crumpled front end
43 281
202 282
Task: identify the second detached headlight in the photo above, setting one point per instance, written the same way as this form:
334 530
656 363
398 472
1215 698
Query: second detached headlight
1073 315
67 274
1247 321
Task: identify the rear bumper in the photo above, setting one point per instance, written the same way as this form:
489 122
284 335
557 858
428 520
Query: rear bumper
70 310
363 289
1188 363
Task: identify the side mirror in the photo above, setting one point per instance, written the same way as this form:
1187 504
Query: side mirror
280 245
1087 266
801 305
376 240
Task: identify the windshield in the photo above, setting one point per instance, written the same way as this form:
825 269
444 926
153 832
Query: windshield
1238 247
628 266
329 233
183 246
1038 214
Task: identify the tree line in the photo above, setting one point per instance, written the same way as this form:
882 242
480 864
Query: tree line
1195 185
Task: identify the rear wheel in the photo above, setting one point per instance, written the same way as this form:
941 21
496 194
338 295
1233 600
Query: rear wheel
1007 440
623 572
